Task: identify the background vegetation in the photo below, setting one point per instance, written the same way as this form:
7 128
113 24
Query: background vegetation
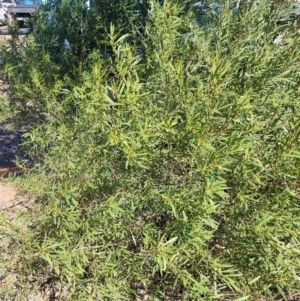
167 151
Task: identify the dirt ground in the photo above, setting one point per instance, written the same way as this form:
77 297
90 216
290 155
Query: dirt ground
8 196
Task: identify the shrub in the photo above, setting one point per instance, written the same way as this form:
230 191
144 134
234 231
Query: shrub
169 166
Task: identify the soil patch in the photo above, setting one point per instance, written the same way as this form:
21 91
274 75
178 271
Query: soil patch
8 196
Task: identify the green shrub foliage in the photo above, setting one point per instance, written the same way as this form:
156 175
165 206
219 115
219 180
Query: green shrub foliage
169 161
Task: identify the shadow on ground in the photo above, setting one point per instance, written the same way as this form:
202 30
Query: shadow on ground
9 145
